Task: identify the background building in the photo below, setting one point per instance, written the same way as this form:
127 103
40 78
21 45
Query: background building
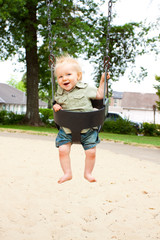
12 99
135 106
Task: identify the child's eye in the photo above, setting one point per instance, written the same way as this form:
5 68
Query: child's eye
69 74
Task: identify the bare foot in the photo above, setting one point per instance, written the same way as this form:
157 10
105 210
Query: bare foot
89 177
64 178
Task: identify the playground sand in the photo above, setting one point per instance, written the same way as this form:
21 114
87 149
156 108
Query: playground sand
123 204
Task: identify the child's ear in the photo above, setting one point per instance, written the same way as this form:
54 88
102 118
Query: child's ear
79 74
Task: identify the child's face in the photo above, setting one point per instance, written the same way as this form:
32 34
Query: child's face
67 76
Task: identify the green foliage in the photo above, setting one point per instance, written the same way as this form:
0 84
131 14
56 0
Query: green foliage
46 116
10 117
150 129
126 42
14 118
158 129
19 85
120 126
157 87
73 27
3 114
12 27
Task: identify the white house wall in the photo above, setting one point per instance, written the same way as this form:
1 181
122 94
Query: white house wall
142 115
16 108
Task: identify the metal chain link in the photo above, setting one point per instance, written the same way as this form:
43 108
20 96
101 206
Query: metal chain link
51 56
107 58
48 3
109 26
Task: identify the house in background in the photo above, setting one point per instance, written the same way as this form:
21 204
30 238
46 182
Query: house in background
136 106
12 99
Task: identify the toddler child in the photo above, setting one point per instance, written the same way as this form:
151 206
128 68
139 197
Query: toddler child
74 95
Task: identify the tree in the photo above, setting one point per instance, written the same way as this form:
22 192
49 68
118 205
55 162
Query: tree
73 26
19 85
126 42
21 23
158 91
19 30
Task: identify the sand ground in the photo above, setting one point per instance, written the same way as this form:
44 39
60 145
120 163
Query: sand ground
124 203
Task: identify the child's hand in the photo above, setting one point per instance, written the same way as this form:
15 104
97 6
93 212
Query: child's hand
103 77
57 107
108 76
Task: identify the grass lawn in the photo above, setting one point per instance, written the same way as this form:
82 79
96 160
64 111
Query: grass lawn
132 139
24 128
127 139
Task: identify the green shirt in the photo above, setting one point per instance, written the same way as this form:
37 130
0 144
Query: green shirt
77 99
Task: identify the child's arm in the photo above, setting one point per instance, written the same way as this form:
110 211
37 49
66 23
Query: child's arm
57 107
100 90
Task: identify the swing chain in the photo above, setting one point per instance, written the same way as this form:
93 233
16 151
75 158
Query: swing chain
51 56
107 58
51 60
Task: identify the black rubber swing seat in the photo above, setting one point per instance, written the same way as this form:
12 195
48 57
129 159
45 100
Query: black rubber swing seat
77 121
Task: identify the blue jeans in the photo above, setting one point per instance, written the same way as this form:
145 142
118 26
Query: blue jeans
88 140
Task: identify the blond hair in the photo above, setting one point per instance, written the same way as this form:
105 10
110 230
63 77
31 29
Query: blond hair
67 59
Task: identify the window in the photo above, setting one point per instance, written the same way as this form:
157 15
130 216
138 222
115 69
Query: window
115 102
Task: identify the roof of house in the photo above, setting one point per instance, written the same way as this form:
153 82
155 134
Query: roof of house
139 100
11 95
117 95
1 100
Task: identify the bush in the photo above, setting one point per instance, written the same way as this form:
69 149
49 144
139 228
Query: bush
15 118
10 117
3 115
158 129
7 118
150 129
119 126
46 116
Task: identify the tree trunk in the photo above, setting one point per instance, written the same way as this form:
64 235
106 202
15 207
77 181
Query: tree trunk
32 115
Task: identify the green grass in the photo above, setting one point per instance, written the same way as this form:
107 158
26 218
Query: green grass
127 139
30 128
130 139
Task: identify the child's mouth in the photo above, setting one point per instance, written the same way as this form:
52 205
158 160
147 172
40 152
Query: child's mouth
66 83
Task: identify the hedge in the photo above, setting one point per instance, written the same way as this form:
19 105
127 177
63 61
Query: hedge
120 126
